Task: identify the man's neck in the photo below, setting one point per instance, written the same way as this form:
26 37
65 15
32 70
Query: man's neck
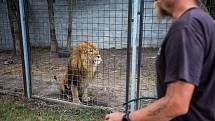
180 8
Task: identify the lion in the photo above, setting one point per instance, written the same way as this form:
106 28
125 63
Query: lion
82 65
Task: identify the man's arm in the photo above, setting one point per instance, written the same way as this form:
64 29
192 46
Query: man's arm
175 103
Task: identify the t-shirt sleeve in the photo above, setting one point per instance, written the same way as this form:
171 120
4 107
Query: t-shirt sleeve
184 54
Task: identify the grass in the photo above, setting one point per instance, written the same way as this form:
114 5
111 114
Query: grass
15 109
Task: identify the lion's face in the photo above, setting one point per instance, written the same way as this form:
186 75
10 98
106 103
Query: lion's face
89 53
91 56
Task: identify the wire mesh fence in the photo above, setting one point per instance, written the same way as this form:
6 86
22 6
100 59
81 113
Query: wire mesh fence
101 22
69 23
210 4
152 32
56 31
11 76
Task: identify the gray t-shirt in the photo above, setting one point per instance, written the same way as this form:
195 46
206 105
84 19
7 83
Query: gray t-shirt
188 54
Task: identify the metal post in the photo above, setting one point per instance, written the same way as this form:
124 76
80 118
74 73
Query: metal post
140 50
134 48
128 54
25 50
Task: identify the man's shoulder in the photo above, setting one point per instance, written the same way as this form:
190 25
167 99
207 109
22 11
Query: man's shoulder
192 18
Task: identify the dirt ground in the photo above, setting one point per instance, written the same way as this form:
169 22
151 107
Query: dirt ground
107 89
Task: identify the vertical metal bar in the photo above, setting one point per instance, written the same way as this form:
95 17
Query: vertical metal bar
25 50
21 45
27 12
140 50
134 49
128 53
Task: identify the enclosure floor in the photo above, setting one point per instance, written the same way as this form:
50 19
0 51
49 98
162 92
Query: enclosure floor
107 89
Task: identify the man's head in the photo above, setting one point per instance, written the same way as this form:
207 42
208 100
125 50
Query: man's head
167 8
162 9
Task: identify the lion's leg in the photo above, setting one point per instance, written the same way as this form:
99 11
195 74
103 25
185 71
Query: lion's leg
75 94
62 83
62 87
85 97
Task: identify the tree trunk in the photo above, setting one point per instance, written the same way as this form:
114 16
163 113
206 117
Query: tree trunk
54 44
11 7
69 24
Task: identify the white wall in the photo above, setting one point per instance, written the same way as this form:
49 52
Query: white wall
100 21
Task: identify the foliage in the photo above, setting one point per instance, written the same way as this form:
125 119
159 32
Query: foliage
13 109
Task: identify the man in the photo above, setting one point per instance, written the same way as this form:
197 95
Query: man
185 67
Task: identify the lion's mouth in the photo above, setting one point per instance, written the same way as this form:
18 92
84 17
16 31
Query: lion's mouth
97 61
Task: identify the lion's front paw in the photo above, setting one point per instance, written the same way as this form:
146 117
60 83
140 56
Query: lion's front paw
77 101
86 99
